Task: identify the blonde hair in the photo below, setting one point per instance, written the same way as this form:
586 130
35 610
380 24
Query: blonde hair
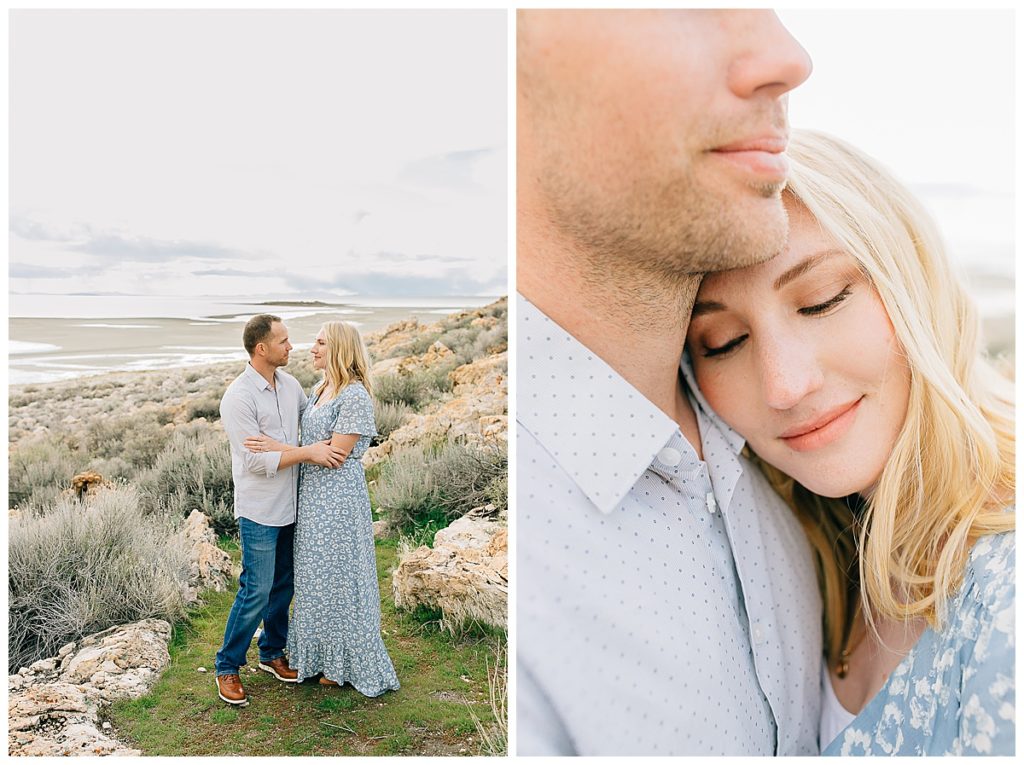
347 360
951 472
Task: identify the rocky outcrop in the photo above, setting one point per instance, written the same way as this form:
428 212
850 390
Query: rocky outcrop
54 705
465 574
209 566
395 336
476 412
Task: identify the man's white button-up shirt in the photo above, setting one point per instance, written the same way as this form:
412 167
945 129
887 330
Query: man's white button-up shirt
640 569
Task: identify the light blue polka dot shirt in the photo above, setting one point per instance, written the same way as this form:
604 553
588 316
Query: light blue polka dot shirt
665 605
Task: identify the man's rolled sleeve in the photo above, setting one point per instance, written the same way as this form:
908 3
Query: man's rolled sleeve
240 422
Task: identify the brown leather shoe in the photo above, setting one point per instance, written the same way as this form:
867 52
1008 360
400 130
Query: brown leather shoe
229 689
325 681
279 668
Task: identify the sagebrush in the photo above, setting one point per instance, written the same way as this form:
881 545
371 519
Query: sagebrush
80 569
429 485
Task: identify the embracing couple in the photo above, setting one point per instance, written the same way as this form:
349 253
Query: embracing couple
303 516
765 473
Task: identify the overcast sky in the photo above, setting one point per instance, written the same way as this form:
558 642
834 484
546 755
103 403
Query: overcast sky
932 90
259 153
930 93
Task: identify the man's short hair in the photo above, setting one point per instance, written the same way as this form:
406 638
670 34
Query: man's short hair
257 329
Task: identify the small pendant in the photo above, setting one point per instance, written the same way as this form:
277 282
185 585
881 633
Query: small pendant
843 667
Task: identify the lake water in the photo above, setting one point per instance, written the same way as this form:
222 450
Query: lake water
62 337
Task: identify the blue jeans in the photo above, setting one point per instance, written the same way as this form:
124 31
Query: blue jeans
264 594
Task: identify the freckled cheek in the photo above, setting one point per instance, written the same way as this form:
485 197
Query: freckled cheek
866 346
730 394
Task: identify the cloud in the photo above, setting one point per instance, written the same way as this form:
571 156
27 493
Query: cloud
132 249
35 231
453 170
390 285
32 271
234 272
403 257
141 249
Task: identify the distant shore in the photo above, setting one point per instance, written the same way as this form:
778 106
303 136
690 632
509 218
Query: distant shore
45 350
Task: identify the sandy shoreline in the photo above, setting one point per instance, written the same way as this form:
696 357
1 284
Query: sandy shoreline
76 348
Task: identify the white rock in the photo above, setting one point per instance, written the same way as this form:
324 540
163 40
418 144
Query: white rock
465 574
43 665
52 714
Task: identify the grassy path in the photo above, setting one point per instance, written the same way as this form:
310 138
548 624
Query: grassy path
444 684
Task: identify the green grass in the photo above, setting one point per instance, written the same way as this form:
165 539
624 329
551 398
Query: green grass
442 677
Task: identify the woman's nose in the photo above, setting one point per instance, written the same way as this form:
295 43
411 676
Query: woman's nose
789 373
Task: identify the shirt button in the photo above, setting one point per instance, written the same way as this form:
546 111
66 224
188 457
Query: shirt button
757 633
670 456
710 503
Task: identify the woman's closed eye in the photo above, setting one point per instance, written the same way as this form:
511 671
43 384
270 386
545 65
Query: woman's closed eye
816 310
821 308
723 349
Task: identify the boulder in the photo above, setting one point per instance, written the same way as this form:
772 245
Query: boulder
383 343
477 412
465 574
438 353
386 367
53 705
121 662
209 566
381 529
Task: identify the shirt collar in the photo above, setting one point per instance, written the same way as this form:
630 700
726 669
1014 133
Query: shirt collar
257 379
600 429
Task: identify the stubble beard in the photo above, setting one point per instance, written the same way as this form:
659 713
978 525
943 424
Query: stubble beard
673 230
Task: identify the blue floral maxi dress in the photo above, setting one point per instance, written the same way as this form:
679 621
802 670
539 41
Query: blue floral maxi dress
335 627
953 694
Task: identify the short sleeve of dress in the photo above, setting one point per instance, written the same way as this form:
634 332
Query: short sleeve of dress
355 412
988 691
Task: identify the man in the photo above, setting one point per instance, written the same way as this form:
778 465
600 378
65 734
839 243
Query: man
667 598
264 399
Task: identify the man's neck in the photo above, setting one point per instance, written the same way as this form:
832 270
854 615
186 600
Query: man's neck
634 320
266 370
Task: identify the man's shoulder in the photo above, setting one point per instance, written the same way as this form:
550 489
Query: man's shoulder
237 386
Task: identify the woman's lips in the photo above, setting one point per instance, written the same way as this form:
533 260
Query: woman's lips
823 431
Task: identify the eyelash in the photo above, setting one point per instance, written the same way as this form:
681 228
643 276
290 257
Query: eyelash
816 310
811 310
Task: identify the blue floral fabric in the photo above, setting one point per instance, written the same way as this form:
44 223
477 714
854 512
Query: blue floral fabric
953 694
335 627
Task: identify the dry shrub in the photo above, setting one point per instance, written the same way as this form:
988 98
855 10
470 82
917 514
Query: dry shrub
192 473
40 469
81 569
429 485
389 416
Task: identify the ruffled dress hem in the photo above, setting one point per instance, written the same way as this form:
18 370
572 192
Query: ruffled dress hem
337 663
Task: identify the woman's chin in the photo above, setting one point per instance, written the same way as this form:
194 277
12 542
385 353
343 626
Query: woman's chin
836 485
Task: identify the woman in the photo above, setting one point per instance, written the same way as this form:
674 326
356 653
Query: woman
335 627
850 364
